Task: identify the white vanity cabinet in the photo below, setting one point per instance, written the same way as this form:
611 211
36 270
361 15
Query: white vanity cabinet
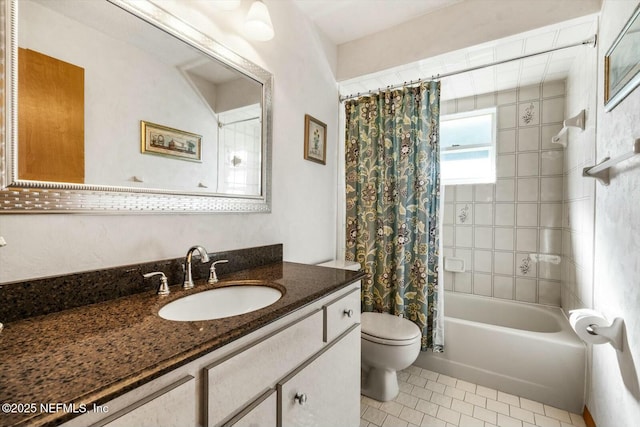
317 393
312 353
171 406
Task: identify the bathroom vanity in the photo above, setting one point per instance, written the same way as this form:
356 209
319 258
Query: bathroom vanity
117 363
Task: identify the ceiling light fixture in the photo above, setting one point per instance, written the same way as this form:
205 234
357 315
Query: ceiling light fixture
258 25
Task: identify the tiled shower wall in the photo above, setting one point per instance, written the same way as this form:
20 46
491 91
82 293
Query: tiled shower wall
510 233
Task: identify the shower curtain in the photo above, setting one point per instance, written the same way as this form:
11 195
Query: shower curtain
393 204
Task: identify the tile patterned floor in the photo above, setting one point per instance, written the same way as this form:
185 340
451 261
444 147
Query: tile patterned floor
429 399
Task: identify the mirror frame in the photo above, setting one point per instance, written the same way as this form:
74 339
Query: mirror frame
25 196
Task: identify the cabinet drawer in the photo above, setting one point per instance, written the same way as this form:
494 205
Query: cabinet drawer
174 405
261 413
234 381
340 314
325 391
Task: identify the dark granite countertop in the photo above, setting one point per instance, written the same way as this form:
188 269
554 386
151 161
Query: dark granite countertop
92 354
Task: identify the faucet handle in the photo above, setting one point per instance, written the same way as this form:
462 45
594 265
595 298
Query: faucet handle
163 288
213 277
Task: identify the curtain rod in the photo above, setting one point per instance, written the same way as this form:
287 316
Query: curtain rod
591 41
220 124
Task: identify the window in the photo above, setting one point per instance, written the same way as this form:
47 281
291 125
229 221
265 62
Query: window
468 147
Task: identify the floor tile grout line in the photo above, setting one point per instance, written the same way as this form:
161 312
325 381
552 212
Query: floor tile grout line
518 409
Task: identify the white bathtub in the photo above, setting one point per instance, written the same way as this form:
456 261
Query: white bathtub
518 348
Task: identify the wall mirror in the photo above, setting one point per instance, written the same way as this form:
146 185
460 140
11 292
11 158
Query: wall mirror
118 106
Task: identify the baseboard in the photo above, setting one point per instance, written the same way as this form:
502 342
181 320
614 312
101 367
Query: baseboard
588 419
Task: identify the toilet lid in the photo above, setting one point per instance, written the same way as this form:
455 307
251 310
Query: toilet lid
388 327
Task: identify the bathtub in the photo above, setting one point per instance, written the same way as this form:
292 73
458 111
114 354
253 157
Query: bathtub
523 349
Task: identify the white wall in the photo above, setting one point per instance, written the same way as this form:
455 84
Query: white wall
304 193
614 395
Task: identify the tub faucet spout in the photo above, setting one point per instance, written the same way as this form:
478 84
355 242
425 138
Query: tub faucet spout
204 257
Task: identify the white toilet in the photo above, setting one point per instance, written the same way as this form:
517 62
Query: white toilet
389 344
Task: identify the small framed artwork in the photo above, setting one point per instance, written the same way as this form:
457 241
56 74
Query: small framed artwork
166 141
315 140
622 63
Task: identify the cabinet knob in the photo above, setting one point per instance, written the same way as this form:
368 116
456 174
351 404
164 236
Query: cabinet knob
301 398
348 313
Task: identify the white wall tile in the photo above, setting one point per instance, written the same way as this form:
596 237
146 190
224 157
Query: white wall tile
449 193
551 189
527 239
550 241
505 190
506 141
464 213
486 100
527 215
506 166
482 261
553 110
528 93
466 104
529 113
507 117
507 96
482 284
554 88
528 189
526 290
503 287
483 214
528 164
548 270
551 162
549 292
548 132
525 265
503 239
484 192
550 214
529 138
462 282
448 214
483 238
505 214
464 193
447 235
464 236
466 255
503 263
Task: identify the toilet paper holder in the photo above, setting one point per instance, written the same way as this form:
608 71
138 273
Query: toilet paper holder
612 333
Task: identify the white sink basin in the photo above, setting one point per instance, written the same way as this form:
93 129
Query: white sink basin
220 302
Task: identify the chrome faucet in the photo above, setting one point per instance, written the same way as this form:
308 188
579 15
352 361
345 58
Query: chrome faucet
188 279
213 276
163 289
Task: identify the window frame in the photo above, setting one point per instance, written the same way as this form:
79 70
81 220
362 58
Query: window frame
491 179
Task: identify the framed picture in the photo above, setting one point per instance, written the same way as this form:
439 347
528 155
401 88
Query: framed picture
315 140
166 141
622 63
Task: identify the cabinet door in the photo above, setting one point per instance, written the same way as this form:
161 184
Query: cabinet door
236 380
172 406
325 391
340 314
261 413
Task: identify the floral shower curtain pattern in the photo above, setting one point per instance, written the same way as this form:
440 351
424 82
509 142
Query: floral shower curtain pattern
393 203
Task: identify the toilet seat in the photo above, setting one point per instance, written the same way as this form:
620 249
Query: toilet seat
387 329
